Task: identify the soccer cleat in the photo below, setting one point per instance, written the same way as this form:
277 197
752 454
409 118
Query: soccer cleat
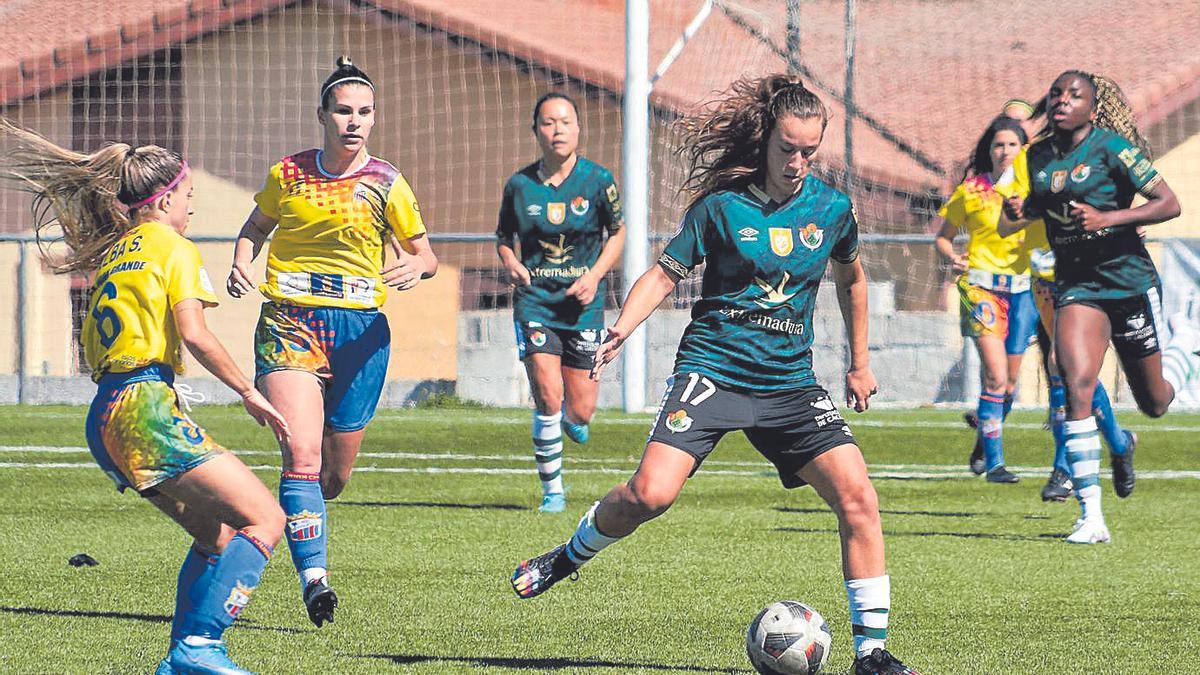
1002 475
576 432
164 666
1058 487
210 659
977 463
553 502
1122 467
881 662
1089 531
971 419
536 575
320 600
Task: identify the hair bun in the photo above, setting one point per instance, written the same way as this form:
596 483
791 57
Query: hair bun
344 61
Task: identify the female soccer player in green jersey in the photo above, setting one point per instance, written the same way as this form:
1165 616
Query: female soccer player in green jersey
122 212
322 345
561 208
1083 177
766 229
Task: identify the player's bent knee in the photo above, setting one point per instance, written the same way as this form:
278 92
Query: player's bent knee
332 484
651 500
858 506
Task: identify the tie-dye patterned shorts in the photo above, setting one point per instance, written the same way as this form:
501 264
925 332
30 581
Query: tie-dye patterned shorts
347 349
137 433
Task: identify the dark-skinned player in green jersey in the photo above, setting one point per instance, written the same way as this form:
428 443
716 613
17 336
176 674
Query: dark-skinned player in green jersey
1083 177
766 229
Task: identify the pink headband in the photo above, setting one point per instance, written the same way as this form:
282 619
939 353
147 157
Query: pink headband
170 186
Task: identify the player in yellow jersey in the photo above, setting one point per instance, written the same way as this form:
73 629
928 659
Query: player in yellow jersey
996 306
321 346
122 212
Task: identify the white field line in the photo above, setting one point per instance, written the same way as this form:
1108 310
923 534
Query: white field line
896 471
425 417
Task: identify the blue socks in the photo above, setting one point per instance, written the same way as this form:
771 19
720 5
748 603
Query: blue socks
1058 418
306 530
1114 435
196 572
231 584
991 421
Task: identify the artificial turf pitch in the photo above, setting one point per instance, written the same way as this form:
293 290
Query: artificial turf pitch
443 507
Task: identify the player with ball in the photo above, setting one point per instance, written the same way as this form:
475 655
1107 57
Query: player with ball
765 229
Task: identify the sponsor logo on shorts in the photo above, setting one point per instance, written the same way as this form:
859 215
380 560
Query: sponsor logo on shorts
533 210
304 526
1080 173
588 335
748 234
238 598
1140 330
812 236
579 206
678 421
537 338
831 414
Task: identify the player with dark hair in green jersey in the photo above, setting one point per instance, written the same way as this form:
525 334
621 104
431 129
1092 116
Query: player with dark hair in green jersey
766 229
561 208
1083 177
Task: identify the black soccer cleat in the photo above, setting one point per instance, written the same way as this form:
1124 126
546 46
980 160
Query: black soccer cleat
1122 467
1058 487
1002 475
977 463
881 662
320 600
536 575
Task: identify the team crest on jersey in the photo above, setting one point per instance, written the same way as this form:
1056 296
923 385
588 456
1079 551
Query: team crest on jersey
1080 173
238 598
556 212
748 234
533 210
812 236
537 338
781 240
679 422
579 206
304 526
1058 181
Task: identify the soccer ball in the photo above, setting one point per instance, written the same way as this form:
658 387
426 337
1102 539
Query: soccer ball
788 638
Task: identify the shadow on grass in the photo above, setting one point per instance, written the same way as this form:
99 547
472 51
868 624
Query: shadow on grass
437 505
130 616
893 512
1044 538
547 664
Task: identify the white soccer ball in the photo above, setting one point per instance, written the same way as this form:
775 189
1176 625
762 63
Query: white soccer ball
788 638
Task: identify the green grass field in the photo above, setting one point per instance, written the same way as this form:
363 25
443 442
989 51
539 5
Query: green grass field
442 508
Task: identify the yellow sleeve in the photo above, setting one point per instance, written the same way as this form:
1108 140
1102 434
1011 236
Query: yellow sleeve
186 276
955 208
268 198
402 211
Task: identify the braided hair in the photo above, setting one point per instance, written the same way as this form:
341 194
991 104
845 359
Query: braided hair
1112 110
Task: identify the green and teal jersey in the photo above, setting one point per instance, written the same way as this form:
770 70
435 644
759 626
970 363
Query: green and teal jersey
561 232
1105 171
752 327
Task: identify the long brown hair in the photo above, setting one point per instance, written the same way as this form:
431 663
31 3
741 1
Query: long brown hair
725 144
83 197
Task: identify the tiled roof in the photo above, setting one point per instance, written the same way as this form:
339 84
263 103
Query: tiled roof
930 73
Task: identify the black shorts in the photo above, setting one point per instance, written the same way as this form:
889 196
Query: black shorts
1135 321
790 428
577 348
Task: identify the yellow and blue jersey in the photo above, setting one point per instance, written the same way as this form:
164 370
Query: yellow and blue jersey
328 249
129 322
975 207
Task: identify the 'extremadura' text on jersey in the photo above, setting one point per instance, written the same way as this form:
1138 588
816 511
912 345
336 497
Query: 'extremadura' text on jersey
752 327
1105 171
328 250
562 231
130 322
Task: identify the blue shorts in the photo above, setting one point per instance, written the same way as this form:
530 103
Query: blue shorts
1022 322
346 348
138 435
